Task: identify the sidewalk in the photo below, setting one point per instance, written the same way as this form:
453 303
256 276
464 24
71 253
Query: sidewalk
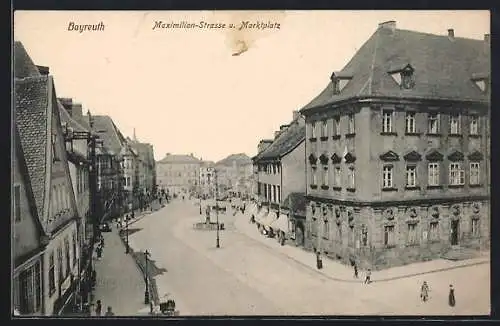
120 284
343 273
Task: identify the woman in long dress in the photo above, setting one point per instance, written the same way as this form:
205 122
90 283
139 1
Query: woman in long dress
451 296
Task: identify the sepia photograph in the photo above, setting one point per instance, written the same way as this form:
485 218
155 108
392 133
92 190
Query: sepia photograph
274 163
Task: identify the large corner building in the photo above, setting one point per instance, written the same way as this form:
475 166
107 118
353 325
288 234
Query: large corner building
397 151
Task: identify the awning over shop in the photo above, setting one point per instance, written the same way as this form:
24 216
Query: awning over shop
269 219
281 223
261 216
252 209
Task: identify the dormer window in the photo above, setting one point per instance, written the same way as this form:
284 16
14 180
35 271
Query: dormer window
481 81
404 76
339 81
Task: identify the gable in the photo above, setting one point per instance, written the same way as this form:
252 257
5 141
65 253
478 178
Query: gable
323 158
389 156
349 158
336 159
475 156
434 155
60 203
412 156
313 159
28 229
456 156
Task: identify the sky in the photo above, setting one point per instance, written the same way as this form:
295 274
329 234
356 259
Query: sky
184 91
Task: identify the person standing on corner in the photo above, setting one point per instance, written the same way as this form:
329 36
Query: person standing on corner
368 276
319 262
451 297
98 308
424 292
110 312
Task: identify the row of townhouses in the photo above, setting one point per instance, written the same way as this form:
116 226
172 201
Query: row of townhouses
183 174
390 163
69 173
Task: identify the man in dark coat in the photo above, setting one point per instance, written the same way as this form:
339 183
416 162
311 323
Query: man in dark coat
451 296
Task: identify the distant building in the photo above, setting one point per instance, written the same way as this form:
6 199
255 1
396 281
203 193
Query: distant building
178 173
234 174
280 167
207 178
146 165
397 151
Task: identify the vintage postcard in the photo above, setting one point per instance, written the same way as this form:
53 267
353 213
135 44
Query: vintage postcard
250 163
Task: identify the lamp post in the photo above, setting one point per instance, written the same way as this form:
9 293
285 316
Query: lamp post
146 291
217 244
127 248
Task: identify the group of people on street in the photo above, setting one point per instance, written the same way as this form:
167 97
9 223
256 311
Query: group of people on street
98 310
424 294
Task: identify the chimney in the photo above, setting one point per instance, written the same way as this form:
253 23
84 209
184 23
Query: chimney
451 33
43 70
295 114
283 127
263 144
390 25
76 111
486 37
276 134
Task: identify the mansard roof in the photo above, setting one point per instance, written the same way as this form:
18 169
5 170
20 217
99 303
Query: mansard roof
389 50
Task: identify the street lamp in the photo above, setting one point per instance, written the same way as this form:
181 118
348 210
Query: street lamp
146 292
127 248
217 245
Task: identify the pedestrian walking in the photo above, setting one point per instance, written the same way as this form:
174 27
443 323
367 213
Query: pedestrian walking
319 262
451 296
98 308
424 292
355 270
109 312
368 276
99 251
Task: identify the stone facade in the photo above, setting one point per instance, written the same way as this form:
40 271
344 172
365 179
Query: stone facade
402 177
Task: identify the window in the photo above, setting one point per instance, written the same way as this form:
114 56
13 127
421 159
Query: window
339 233
387 176
457 176
325 176
17 203
350 124
474 227
411 175
60 264
336 126
324 129
326 229
389 235
274 193
410 123
337 177
55 157
75 240
313 130
407 80
30 290
387 121
278 190
314 175
474 125
412 234
474 173
433 177
67 256
52 274
433 123
364 236
454 124
351 178
434 231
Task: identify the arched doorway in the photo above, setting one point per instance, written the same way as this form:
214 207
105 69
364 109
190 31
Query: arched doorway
299 234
